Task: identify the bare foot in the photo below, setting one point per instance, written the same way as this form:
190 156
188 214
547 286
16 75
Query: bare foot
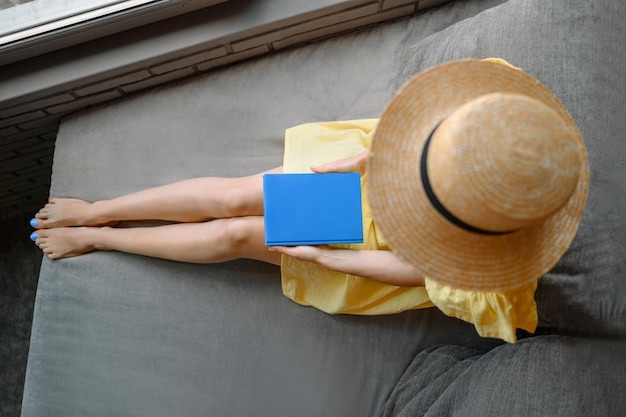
66 242
64 212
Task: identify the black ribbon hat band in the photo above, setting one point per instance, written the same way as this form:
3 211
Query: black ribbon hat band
435 201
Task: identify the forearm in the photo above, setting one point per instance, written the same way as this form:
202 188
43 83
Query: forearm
379 265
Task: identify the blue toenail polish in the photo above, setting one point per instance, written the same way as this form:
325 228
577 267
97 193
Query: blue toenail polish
34 236
33 222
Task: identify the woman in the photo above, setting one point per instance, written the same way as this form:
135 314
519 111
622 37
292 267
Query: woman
477 178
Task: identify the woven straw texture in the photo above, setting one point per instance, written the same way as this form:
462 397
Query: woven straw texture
420 235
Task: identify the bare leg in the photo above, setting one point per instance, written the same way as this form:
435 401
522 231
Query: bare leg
193 200
209 242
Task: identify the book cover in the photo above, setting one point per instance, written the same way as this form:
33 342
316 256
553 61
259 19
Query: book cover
312 209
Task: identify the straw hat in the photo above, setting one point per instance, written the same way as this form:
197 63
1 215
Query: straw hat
478 176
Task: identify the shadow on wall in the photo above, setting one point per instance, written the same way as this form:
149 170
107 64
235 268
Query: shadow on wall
20 261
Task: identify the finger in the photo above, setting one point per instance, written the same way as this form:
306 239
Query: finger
291 248
328 167
341 165
285 250
302 253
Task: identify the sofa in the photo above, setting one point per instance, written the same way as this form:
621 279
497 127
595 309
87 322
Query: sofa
124 335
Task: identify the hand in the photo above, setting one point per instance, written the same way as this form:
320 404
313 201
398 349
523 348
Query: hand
302 253
355 163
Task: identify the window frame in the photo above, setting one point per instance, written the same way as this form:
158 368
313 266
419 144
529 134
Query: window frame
92 24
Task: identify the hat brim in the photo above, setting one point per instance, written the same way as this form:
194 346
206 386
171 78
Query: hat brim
416 232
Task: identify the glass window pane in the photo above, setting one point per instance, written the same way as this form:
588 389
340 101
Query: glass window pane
24 18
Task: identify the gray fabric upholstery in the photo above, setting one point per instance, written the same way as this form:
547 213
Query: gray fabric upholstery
540 376
573 47
586 291
133 336
117 334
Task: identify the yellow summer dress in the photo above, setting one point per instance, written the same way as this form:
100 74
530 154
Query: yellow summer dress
335 292
494 314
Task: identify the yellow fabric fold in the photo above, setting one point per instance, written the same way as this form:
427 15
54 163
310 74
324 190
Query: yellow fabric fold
502 62
494 314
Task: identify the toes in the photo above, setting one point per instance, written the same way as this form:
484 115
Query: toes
39 223
40 220
49 206
39 237
43 245
41 240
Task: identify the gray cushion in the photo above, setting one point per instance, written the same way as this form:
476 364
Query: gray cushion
573 47
542 376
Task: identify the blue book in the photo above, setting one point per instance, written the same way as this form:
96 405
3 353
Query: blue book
312 209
